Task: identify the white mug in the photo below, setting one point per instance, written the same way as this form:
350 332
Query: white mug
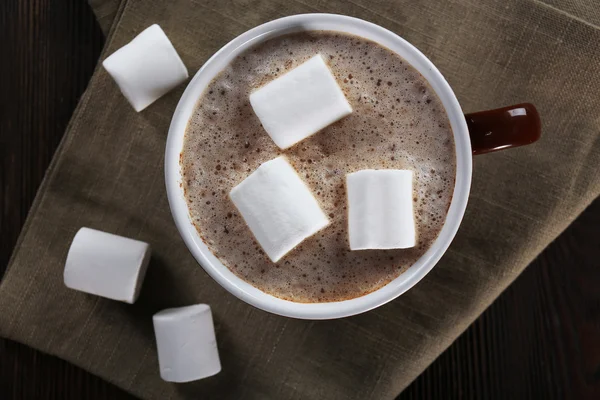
216 64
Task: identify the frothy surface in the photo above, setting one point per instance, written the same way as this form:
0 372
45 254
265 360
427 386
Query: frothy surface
398 122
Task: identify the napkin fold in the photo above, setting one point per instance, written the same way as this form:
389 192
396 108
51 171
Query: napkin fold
108 175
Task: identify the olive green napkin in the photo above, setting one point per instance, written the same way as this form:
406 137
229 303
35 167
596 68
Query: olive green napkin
108 174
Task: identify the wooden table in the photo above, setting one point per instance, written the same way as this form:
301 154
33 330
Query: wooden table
539 340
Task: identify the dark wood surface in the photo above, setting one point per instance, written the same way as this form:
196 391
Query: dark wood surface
539 340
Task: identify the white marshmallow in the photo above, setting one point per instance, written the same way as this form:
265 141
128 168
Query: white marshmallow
186 343
278 207
146 68
380 209
106 265
300 103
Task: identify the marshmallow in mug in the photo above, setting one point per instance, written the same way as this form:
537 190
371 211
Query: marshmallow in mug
300 103
106 265
380 209
278 207
186 343
146 68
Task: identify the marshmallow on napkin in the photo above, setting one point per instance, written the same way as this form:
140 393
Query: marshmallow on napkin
300 103
278 207
380 209
106 265
186 343
146 68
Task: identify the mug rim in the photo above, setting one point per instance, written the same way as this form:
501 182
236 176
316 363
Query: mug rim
244 290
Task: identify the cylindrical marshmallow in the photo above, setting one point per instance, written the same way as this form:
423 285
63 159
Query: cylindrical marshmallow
187 347
278 207
146 68
380 209
300 103
106 265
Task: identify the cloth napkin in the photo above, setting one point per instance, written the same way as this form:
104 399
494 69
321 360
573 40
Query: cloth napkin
108 175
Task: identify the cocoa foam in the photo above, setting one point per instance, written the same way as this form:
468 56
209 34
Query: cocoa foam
398 122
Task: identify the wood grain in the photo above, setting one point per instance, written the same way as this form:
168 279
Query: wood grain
48 51
539 340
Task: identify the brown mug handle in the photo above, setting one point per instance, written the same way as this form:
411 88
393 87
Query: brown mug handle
503 128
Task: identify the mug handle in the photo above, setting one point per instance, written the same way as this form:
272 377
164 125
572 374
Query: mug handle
503 128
